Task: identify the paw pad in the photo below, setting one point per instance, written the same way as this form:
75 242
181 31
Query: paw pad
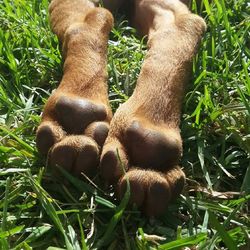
150 148
76 115
47 135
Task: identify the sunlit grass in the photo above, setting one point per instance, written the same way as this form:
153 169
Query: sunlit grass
40 211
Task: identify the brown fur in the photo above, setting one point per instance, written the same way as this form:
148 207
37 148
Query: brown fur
144 130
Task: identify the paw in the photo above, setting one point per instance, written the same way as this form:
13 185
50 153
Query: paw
76 118
139 144
73 131
149 154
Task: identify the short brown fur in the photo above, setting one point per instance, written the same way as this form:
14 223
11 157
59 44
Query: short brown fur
77 118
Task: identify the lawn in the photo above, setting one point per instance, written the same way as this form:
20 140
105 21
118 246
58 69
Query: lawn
40 211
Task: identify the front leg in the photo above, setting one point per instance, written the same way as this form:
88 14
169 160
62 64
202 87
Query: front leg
75 120
145 130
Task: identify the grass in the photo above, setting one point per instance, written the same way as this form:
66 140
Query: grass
39 211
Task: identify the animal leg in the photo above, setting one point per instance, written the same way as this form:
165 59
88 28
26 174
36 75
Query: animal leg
75 120
144 131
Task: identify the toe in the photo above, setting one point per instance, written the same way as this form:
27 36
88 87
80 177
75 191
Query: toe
98 131
63 154
76 154
87 159
176 180
137 184
149 190
158 195
113 161
48 133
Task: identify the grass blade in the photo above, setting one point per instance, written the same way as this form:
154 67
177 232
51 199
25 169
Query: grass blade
187 242
229 242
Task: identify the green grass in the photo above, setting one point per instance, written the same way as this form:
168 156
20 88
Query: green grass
39 211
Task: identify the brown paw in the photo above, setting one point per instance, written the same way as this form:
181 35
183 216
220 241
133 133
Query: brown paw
149 155
148 147
76 118
73 131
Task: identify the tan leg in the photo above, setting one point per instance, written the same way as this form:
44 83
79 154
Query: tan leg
76 117
145 130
